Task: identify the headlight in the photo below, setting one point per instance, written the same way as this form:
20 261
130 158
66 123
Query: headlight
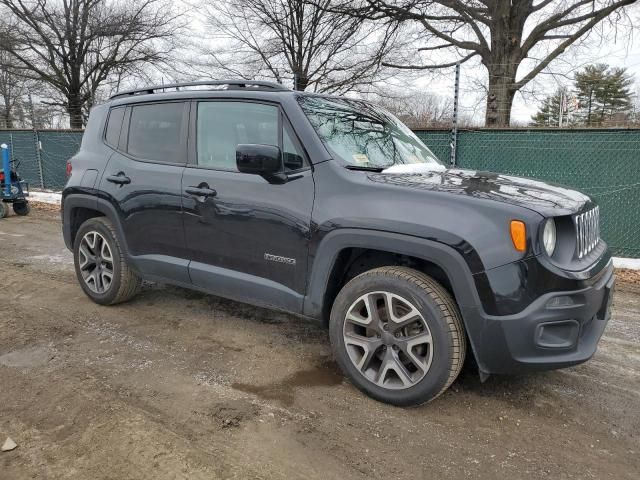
549 236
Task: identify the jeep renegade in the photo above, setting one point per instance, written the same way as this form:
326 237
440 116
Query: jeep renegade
332 209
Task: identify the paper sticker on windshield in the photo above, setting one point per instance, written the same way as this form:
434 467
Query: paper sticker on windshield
360 158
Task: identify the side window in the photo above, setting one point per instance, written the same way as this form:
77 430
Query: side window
222 126
291 153
114 125
155 132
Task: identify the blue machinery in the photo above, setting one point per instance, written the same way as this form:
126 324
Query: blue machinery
6 168
13 190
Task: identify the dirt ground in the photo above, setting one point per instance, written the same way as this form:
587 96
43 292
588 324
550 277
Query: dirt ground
177 384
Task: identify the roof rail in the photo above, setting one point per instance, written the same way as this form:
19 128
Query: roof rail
230 84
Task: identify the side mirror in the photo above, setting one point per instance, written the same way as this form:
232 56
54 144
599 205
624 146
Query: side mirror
265 160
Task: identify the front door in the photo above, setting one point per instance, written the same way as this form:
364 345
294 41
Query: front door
247 236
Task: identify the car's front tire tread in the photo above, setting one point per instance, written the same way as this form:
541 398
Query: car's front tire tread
448 308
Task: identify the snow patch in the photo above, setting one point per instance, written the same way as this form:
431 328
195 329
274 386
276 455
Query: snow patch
415 168
45 197
630 263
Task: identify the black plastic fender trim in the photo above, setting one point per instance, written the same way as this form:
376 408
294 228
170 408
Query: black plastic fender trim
445 257
78 200
441 255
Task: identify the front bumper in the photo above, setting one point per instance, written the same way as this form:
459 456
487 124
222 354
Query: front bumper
558 329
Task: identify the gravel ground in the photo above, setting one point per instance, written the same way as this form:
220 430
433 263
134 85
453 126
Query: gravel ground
176 384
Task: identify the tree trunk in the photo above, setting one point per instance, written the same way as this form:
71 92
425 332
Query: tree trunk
499 101
74 109
300 81
7 120
507 26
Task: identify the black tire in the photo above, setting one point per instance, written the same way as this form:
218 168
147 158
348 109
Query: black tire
437 308
4 209
21 208
125 282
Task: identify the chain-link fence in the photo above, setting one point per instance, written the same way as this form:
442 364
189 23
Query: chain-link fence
602 163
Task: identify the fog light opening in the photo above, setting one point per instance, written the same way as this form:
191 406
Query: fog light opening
560 334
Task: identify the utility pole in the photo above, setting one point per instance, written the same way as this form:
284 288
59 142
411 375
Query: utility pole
454 129
589 109
561 109
36 141
32 113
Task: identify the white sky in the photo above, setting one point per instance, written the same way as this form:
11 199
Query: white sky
620 54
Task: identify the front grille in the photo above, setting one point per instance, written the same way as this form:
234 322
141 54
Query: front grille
587 231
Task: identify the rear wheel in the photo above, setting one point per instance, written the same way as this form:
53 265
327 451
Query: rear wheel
397 334
101 266
21 208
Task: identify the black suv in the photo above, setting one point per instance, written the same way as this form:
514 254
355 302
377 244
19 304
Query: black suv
332 209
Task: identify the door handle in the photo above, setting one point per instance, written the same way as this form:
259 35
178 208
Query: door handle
119 179
201 191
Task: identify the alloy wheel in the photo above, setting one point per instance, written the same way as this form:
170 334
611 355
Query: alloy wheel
96 262
388 340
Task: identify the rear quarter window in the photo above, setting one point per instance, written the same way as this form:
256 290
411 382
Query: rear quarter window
114 125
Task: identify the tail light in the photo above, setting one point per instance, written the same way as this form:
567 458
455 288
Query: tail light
69 168
2 176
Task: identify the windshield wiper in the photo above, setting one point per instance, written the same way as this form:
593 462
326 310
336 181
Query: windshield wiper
366 169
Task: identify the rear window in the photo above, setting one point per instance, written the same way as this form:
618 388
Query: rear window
114 125
155 132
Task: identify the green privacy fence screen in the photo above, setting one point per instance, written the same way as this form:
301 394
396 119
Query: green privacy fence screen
42 156
602 163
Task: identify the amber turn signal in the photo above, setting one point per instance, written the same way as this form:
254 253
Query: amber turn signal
519 235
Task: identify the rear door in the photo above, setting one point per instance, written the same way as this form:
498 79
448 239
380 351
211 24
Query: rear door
248 238
143 180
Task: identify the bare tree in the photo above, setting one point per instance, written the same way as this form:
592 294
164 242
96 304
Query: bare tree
13 88
502 33
75 46
298 40
418 109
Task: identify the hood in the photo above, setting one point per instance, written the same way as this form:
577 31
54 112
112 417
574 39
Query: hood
547 199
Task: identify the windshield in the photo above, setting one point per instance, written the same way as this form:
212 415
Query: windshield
363 135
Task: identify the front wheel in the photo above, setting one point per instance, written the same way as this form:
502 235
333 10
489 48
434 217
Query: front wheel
4 209
101 266
397 335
